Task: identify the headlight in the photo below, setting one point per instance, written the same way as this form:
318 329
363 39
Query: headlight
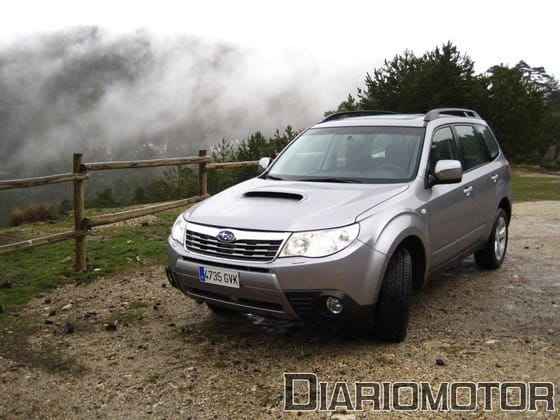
320 243
178 229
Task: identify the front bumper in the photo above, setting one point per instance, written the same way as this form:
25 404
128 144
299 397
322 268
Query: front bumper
291 288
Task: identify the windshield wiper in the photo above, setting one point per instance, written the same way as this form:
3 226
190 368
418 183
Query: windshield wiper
273 177
334 179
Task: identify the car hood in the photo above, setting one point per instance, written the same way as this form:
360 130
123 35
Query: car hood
261 204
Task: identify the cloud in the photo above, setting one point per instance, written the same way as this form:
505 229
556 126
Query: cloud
86 90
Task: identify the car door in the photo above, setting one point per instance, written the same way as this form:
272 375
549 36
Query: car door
477 175
449 208
495 173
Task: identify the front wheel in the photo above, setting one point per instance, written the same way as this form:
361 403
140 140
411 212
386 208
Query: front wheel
492 256
390 320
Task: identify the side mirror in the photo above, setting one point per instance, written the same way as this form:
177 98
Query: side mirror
263 164
448 172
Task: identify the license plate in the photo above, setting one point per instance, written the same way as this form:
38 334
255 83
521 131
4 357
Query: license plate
218 276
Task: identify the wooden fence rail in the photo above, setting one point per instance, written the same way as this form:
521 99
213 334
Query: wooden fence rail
83 225
41 180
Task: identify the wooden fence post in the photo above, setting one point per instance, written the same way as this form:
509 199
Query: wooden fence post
79 207
273 153
202 175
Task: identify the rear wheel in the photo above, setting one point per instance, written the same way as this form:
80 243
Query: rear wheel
493 255
390 319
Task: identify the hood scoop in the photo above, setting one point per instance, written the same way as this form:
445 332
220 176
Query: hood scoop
274 194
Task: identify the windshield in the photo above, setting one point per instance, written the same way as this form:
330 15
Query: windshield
351 154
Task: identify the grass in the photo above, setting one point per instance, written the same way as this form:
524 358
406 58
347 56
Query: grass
32 213
35 271
152 379
113 249
535 187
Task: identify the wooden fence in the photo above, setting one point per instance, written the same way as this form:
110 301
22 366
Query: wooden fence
83 225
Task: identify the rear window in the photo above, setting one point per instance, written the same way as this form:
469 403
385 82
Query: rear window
489 141
471 148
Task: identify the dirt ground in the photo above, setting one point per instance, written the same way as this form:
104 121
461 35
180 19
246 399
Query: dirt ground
137 349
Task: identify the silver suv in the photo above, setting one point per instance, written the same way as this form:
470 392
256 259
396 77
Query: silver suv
354 214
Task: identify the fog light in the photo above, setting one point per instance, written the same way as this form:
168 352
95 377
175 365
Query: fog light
334 305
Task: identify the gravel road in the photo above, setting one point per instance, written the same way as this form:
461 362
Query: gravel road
129 346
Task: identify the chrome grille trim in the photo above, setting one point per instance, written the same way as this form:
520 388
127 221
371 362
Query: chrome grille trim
258 246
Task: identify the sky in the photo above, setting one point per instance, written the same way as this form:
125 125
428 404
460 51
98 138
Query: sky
359 34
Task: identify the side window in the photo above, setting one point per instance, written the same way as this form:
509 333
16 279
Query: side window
443 147
473 153
489 140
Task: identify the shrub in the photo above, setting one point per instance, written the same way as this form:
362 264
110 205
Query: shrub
30 214
103 199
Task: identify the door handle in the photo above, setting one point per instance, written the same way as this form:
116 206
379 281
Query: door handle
468 191
494 178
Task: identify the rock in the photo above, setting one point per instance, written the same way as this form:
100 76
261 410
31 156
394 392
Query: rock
66 307
491 341
68 328
387 358
342 416
440 362
110 326
47 301
66 260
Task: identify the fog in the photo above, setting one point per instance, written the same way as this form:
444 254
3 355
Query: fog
85 90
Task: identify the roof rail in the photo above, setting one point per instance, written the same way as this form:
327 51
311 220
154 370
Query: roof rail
347 114
458 112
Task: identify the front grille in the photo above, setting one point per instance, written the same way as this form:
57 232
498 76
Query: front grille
241 249
228 265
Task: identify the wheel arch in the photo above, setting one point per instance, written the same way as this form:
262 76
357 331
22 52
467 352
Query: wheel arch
417 251
506 205
406 232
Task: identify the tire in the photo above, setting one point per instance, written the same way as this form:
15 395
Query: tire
390 320
492 256
220 310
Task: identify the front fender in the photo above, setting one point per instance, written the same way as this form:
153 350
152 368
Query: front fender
389 235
